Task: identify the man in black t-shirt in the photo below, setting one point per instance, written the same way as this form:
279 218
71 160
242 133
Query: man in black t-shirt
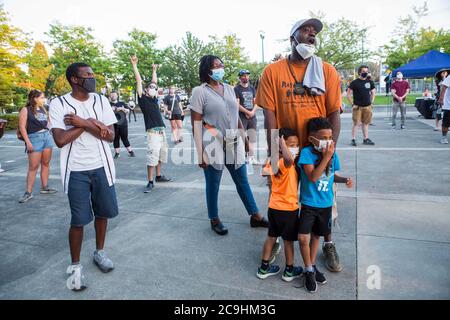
121 127
157 147
361 94
246 95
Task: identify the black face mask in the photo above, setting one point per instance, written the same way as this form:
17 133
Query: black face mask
88 84
364 74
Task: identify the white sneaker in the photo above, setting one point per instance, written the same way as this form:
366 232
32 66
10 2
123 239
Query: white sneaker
102 261
76 280
444 140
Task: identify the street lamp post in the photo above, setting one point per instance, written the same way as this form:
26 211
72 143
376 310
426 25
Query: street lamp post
262 35
362 50
363 37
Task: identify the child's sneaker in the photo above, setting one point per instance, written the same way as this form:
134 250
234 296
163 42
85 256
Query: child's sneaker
271 271
310 282
320 277
76 280
295 273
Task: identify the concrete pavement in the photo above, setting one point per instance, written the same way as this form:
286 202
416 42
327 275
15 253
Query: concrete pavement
393 235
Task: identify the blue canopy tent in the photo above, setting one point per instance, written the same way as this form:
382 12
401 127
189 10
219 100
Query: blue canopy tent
426 65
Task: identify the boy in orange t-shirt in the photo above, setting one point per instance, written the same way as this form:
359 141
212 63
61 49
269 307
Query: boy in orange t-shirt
283 209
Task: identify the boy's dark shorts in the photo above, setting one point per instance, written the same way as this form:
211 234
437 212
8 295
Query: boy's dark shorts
283 224
446 118
90 195
315 220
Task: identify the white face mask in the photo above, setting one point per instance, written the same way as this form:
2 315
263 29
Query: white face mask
294 152
152 92
305 50
400 76
323 144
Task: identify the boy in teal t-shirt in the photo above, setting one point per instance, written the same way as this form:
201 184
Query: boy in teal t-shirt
318 163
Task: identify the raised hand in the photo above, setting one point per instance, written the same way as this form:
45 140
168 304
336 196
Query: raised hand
134 60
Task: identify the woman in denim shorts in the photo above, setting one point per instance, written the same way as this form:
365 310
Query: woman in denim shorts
33 122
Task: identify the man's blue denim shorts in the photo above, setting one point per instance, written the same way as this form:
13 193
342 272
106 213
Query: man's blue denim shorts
41 141
91 196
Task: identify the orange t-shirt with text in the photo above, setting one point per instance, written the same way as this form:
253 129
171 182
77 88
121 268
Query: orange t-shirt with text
276 93
284 194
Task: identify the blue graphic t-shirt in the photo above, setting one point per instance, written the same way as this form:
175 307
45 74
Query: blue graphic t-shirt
319 194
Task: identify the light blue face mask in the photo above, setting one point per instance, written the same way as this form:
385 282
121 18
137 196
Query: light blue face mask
218 74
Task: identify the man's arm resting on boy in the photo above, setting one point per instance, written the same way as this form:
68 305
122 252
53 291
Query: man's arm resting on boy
270 124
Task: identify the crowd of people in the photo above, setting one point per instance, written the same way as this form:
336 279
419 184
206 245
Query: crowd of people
302 102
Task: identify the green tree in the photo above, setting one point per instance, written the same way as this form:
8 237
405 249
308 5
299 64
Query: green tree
75 44
143 45
39 67
232 54
181 64
408 41
13 46
342 42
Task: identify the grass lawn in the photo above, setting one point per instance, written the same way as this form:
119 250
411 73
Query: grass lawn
382 100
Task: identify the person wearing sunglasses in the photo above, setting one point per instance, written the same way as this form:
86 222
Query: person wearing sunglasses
157 146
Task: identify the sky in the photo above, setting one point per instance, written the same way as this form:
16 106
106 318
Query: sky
113 19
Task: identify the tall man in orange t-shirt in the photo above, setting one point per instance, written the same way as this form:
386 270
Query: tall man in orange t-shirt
288 104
